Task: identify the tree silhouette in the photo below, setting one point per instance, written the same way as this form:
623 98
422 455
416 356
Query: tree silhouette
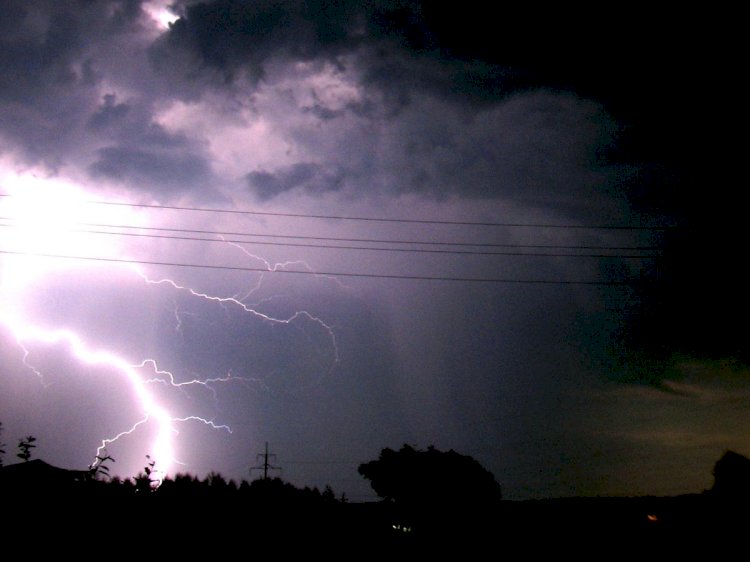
732 476
328 494
432 490
98 469
413 476
24 448
144 482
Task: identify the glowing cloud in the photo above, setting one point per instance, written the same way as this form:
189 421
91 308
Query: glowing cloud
161 14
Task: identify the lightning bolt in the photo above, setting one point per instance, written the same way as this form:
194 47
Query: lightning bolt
300 314
163 448
143 375
168 379
253 309
27 362
278 266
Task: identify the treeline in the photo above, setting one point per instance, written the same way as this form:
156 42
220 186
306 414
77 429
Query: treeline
190 489
36 477
46 499
37 480
427 495
430 499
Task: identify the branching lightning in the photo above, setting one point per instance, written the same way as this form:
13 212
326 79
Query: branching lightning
163 448
300 314
277 266
168 379
141 375
28 364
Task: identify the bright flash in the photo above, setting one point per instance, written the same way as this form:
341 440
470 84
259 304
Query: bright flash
50 217
161 14
42 217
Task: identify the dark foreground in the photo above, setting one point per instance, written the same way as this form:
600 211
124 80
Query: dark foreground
71 512
90 524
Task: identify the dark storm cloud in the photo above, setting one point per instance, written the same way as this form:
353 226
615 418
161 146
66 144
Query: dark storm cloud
215 45
47 53
56 59
640 66
61 109
397 50
109 114
453 125
157 168
144 156
305 175
233 35
40 89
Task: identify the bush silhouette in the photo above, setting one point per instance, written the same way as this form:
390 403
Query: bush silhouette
413 476
732 476
432 490
24 448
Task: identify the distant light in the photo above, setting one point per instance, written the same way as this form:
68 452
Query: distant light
651 517
161 14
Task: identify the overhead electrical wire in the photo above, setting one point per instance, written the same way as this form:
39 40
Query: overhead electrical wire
370 219
365 248
363 240
340 243
325 273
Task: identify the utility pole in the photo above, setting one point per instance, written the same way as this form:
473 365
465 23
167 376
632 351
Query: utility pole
266 465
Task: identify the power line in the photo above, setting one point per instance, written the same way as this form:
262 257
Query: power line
363 248
369 219
363 240
325 273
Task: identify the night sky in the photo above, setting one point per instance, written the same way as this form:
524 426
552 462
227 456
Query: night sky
515 233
